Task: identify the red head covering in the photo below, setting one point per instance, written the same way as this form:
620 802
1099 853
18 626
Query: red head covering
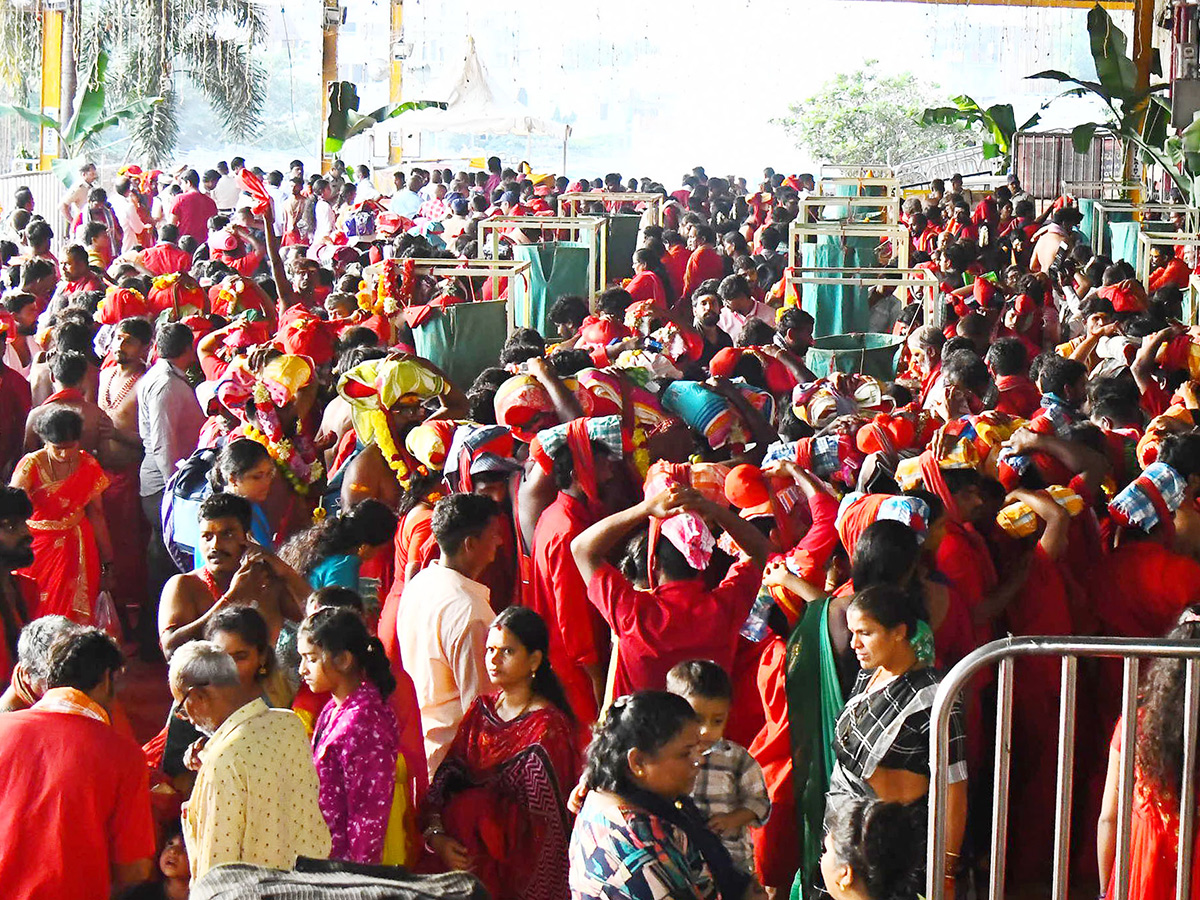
724 362
1125 296
303 334
121 303
170 291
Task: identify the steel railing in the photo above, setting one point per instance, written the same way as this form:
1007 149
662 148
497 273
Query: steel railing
1131 652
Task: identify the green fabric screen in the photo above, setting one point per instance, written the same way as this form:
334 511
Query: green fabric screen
557 268
837 309
464 339
1123 240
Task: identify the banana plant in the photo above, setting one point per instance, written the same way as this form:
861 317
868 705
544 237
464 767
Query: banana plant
999 124
345 121
1139 117
89 119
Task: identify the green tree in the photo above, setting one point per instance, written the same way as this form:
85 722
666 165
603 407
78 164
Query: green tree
869 117
216 43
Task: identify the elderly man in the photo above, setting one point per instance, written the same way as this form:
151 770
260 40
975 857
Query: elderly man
255 799
97 816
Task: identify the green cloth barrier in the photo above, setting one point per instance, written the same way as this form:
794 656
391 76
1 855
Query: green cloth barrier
1106 239
1123 240
557 269
464 339
866 353
621 242
1087 209
837 309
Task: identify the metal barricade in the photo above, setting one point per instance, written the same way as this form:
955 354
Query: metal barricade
1006 651
48 191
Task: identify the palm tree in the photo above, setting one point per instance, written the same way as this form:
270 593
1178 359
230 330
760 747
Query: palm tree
154 43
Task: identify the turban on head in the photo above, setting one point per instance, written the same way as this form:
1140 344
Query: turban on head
1150 499
857 511
577 435
479 448
285 376
430 442
519 401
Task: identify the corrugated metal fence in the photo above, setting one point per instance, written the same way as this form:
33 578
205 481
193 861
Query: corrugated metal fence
1043 160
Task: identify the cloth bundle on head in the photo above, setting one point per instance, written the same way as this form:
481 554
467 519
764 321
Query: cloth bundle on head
429 442
578 435
176 292
284 377
1181 352
477 449
725 361
236 294
1125 296
519 401
248 334
1177 418
1020 521
604 388
750 491
687 532
825 399
833 457
302 333
373 387
885 434
1150 499
972 442
858 510
659 365
642 309
121 303
709 414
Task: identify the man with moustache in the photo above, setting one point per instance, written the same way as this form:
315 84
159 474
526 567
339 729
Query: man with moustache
706 313
236 572
18 593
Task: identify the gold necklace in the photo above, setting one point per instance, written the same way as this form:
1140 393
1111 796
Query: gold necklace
523 709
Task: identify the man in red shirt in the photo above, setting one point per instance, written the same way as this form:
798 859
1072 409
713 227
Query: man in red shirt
192 209
1166 269
74 794
165 257
1008 362
679 618
578 636
704 263
675 261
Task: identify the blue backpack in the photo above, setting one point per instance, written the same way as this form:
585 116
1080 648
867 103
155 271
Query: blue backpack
185 491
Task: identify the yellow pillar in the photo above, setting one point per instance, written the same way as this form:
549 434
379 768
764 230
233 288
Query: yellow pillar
397 75
52 45
329 70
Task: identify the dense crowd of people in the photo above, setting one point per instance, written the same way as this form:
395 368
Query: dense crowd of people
647 609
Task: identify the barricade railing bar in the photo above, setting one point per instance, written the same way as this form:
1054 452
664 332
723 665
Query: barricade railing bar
1070 650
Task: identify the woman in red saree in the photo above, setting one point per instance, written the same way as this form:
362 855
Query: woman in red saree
1158 762
497 804
71 545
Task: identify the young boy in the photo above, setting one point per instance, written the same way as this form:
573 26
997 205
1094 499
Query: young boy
730 788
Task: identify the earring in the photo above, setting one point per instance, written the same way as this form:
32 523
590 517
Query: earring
262 670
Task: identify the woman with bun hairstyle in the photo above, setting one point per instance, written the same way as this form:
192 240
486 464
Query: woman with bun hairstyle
356 741
497 803
639 836
874 851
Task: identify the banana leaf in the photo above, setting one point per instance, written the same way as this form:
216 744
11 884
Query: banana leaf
1114 68
345 121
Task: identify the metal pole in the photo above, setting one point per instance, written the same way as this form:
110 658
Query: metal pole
1125 795
1004 708
329 74
1066 775
396 77
1187 783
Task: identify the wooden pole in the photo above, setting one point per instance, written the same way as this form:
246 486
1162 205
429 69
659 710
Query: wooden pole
329 74
395 81
52 63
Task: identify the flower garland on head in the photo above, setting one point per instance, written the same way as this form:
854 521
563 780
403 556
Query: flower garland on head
300 473
296 457
386 442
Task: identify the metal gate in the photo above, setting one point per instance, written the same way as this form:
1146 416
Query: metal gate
1132 652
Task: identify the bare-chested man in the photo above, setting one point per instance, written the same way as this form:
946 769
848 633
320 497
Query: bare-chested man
121 456
236 572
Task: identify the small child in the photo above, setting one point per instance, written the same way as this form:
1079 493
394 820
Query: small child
730 788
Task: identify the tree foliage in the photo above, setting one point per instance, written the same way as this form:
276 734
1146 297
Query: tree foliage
216 43
867 116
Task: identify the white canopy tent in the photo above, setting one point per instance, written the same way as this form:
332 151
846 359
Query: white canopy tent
472 108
